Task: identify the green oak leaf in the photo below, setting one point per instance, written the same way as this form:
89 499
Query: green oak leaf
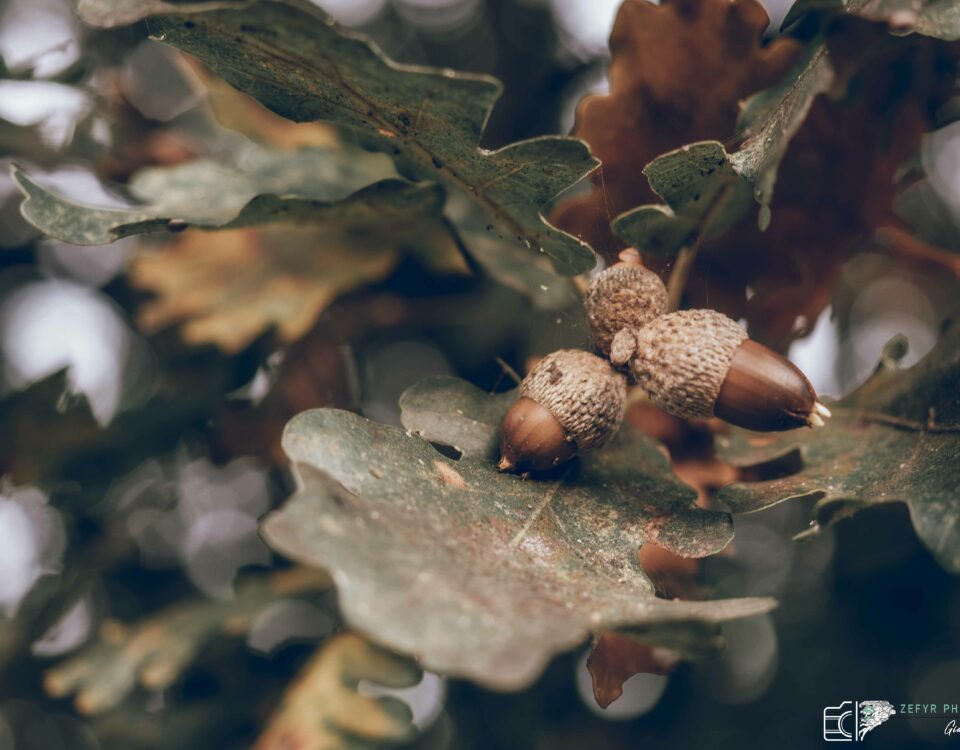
267 186
289 56
935 18
486 575
530 274
895 439
703 185
770 119
697 182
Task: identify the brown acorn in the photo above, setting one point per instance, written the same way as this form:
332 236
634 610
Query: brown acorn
570 403
700 363
626 295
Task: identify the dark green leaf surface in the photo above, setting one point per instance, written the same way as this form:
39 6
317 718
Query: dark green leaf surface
698 183
705 187
936 18
897 438
530 274
771 118
289 56
481 574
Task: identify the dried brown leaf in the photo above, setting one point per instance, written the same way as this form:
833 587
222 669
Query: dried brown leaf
228 287
616 657
835 184
322 709
678 74
155 651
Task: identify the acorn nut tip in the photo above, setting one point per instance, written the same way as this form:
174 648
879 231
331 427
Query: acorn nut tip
570 403
700 363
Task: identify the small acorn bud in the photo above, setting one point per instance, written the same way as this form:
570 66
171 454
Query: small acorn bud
570 403
623 346
626 295
699 363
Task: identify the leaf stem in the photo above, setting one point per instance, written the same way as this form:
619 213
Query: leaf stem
931 425
679 274
687 254
508 370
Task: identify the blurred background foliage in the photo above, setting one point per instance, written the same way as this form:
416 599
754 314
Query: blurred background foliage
144 385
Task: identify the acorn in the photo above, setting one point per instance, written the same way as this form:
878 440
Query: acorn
698 364
572 402
625 295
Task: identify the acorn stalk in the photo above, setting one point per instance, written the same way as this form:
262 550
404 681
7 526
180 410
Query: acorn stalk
572 402
700 363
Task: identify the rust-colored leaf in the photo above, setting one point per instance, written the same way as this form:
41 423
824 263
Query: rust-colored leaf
836 181
665 93
616 657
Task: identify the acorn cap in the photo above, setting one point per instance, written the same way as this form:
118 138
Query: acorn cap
682 359
626 295
698 363
586 395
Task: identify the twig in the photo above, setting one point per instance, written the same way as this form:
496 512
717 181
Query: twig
680 272
902 242
508 370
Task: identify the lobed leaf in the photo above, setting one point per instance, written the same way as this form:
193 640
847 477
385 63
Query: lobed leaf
322 709
895 439
616 657
768 121
934 18
268 186
704 196
228 287
157 650
289 56
704 185
486 575
663 96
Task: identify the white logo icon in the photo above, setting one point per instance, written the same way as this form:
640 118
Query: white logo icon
851 720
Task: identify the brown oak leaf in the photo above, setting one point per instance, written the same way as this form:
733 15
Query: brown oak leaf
228 287
836 183
678 73
615 658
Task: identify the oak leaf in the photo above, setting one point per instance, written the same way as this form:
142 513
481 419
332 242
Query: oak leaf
322 709
665 93
480 574
290 57
936 18
325 237
155 651
895 439
229 287
835 175
615 658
